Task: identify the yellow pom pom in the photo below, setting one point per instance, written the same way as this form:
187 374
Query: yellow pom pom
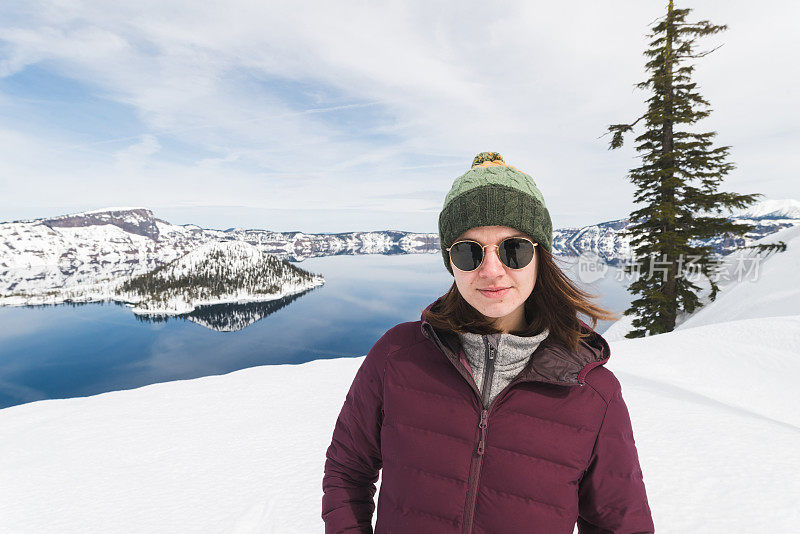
487 158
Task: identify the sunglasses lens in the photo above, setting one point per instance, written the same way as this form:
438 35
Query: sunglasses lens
466 255
516 253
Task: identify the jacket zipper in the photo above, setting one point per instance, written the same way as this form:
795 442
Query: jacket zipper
477 459
488 370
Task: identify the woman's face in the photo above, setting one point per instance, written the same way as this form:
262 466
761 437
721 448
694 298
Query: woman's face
507 305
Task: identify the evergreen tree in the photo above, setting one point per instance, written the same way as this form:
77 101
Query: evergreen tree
677 182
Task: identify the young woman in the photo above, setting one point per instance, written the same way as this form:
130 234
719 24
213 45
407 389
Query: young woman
493 412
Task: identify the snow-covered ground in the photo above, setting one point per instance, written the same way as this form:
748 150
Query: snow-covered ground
714 407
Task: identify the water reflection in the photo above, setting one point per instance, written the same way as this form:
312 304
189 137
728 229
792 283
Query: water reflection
74 350
228 317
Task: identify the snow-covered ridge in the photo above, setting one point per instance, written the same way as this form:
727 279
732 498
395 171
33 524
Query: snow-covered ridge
133 220
108 210
44 241
608 242
773 209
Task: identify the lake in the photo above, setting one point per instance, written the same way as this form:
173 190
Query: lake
76 350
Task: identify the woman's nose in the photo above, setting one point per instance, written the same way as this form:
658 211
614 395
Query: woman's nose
492 266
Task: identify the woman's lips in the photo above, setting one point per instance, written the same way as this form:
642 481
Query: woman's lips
500 293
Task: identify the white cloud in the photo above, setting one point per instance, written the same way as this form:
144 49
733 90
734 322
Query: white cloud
133 158
220 90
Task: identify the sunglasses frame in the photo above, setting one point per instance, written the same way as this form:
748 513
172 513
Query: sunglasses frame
483 252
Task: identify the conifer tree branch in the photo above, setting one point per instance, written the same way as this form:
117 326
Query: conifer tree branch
701 54
618 130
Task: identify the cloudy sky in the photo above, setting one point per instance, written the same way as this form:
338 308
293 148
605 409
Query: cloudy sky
351 115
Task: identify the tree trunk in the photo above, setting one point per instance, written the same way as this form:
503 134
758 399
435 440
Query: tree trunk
669 286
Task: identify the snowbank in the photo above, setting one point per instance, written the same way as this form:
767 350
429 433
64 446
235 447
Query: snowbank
237 453
713 463
713 409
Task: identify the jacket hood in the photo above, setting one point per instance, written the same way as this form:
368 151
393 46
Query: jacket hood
552 361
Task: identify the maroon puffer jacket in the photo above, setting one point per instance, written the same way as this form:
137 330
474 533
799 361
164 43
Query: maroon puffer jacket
554 447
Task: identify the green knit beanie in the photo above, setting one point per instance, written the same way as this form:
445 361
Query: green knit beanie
492 193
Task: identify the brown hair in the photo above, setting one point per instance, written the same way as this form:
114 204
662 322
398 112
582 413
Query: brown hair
554 303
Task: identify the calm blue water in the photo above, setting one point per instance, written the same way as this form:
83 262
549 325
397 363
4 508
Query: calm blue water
71 351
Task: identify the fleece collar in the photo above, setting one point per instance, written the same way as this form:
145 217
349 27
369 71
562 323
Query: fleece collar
551 362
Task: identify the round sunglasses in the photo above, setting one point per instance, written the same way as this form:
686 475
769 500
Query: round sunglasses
515 253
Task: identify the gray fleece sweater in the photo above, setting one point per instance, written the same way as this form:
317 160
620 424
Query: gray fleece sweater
509 355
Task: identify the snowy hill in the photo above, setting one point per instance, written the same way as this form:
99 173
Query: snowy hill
770 287
713 410
211 274
215 273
